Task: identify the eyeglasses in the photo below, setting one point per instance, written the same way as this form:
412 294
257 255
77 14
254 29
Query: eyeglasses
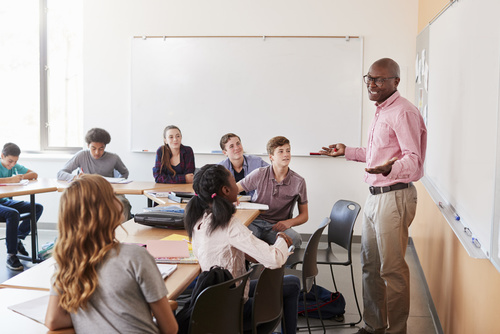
378 81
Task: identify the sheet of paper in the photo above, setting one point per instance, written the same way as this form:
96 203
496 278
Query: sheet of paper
20 183
117 180
166 269
34 309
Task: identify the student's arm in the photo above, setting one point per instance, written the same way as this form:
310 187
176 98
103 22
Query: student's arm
56 317
301 218
30 175
121 168
164 316
65 173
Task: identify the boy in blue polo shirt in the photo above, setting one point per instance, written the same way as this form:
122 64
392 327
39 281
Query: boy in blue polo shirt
12 172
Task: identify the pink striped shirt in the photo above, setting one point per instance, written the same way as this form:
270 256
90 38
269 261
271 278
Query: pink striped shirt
397 130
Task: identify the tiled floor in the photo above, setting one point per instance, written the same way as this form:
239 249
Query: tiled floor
420 321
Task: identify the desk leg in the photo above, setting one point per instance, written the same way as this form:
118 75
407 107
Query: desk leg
34 231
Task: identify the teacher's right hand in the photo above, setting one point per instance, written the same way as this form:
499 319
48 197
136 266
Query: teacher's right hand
334 150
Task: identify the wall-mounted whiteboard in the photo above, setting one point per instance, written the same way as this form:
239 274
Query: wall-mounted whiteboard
462 119
307 89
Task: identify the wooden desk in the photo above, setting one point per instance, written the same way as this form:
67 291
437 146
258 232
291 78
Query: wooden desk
33 187
13 322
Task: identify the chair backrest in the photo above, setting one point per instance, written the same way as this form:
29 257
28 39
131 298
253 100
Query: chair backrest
219 308
268 300
309 262
295 200
343 217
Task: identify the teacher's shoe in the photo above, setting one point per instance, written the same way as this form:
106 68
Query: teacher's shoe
20 248
14 263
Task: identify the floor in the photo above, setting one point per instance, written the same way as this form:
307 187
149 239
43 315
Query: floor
419 322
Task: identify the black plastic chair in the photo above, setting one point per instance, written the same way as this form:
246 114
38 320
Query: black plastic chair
309 269
343 217
268 300
219 308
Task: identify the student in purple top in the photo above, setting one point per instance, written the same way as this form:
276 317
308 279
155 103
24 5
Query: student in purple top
239 164
277 186
174 162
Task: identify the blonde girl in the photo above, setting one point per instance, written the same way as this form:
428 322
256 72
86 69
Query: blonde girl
100 285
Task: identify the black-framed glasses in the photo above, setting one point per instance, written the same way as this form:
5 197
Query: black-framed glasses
378 81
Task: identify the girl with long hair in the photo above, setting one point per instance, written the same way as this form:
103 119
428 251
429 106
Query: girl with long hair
101 285
221 239
174 162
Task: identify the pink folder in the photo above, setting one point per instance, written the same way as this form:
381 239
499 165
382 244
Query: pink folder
168 248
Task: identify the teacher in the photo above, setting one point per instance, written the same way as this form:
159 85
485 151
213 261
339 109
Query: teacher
395 155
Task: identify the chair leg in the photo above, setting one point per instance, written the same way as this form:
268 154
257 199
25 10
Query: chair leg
333 278
305 312
355 298
319 309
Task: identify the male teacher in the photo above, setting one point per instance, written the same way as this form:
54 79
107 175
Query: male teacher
395 156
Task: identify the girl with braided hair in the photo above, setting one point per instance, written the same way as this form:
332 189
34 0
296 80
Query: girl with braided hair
220 239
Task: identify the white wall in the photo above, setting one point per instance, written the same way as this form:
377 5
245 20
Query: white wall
389 29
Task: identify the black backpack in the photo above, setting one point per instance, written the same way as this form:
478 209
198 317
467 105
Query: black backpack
206 279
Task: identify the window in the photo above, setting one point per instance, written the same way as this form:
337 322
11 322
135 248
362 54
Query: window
41 70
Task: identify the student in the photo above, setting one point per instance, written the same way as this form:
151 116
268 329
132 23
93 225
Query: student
221 239
174 162
101 285
12 172
239 164
277 186
96 160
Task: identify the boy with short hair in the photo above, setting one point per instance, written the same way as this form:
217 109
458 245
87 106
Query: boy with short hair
239 164
96 160
12 172
277 185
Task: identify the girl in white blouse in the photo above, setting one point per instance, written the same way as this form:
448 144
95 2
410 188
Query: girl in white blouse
221 239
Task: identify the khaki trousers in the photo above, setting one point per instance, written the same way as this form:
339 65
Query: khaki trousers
386 277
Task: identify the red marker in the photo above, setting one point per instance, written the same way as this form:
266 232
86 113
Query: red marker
334 150
314 153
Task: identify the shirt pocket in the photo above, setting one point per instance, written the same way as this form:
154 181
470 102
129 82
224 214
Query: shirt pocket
384 136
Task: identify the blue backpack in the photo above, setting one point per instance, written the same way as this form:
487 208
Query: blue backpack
331 304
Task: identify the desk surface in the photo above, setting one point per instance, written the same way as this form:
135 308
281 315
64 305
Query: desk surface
41 185
137 187
13 322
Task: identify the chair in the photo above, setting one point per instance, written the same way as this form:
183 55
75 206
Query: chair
219 308
22 217
267 301
309 266
343 217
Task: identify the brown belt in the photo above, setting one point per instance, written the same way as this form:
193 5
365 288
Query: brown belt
381 190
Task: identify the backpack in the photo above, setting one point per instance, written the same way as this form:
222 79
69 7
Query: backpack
206 279
331 304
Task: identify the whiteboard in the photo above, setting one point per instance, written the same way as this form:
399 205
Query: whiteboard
462 120
307 89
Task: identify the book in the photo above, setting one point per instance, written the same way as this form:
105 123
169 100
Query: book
159 194
178 199
182 194
252 206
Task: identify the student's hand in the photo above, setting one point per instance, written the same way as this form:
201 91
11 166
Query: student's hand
16 178
334 150
383 169
281 226
189 178
287 238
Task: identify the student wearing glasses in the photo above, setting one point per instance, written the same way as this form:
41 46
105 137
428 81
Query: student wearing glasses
394 156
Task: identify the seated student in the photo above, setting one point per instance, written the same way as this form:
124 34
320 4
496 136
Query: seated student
174 162
239 164
277 185
101 285
12 172
221 239
96 160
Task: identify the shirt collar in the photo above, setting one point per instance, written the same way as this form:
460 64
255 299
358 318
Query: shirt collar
286 180
390 100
